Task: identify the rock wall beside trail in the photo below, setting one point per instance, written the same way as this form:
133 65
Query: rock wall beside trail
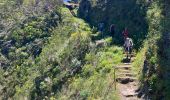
164 51
155 79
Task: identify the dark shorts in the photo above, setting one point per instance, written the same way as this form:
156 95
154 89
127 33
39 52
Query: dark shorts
128 49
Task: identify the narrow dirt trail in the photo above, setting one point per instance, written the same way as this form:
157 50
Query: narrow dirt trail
127 83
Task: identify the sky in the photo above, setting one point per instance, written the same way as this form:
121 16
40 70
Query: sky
66 0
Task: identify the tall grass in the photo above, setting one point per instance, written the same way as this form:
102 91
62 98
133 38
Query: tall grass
96 81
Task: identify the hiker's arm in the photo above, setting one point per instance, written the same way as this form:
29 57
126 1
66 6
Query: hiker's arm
131 42
124 44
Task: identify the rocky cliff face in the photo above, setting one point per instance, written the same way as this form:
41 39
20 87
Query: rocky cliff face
164 50
166 30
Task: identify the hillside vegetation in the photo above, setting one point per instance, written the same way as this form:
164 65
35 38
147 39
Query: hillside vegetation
46 53
148 25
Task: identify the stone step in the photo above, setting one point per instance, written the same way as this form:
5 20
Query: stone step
132 55
129 93
125 74
125 80
127 63
123 71
124 67
125 60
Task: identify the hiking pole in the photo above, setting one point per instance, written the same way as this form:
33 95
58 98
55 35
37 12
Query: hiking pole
115 78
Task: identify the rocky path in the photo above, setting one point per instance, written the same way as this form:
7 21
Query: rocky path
127 83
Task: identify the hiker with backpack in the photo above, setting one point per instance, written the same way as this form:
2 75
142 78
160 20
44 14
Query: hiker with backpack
71 7
112 30
128 45
101 27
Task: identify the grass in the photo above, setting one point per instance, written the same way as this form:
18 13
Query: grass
138 64
96 81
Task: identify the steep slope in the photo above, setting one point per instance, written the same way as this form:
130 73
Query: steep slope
25 29
46 53
64 55
96 80
61 58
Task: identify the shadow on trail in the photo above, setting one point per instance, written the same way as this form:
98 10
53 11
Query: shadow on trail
126 60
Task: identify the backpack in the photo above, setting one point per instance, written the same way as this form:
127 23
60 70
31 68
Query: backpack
131 42
128 42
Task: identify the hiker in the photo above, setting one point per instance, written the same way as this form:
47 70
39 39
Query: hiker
101 27
48 7
112 30
128 45
125 33
71 7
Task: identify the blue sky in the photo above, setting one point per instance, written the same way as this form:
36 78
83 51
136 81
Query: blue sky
66 0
